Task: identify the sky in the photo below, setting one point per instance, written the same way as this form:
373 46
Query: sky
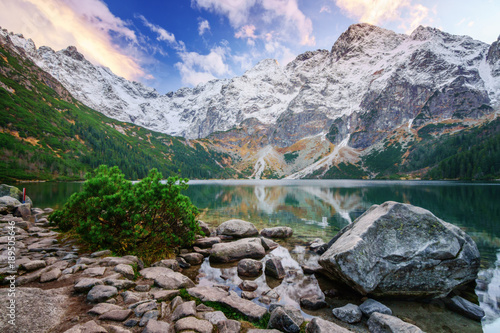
170 44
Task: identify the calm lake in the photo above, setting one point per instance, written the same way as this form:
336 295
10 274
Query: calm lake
320 208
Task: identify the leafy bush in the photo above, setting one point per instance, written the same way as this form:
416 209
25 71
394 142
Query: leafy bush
148 218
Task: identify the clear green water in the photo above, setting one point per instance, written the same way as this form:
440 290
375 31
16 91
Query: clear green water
321 208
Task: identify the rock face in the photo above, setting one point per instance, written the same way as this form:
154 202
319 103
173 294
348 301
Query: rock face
401 250
237 228
240 249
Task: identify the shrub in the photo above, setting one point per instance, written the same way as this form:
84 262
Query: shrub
149 218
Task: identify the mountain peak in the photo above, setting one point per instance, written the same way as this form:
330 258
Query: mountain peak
422 33
72 52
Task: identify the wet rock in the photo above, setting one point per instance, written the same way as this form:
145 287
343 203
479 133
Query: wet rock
185 309
228 326
215 317
383 323
249 267
349 313
318 325
126 270
193 258
370 306
312 302
34 265
116 315
286 319
102 308
246 285
237 228
413 254
168 263
277 232
275 269
167 278
465 308
207 242
237 250
100 293
268 244
156 326
86 284
193 324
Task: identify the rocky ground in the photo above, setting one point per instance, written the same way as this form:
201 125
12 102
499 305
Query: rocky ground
53 286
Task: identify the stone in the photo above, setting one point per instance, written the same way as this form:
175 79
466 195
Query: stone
34 265
176 302
145 307
28 278
114 261
244 248
204 252
185 309
286 318
275 269
131 322
85 261
126 270
51 275
143 287
168 263
23 210
313 302
383 323
167 278
277 232
119 283
193 324
246 285
116 329
465 308
207 242
150 315
100 253
129 297
215 317
237 228
229 326
86 284
156 326
193 258
412 253
204 227
268 244
249 295
182 262
165 295
256 330
370 306
249 268
100 293
102 308
203 308
8 204
89 327
95 271
116 315
349 313
318 325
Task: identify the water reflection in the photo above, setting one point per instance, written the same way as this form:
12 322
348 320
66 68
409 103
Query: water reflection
488 292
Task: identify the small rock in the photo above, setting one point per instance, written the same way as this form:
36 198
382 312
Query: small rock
85 261
176 302
182 262
215 317
126 270
100 293
131 322
51 275
312 302
249 267
165 295
275 269
90 326
193 258
130 297
229 326
102 308
145 307
204 252
204 227
150 315
349 313
119 284
237 228
155 326
100 253
246 285
203 308
116 315
33 265
191 323
185 309
465 308
95 271
286 319
207 242
318 325
370 306
86 284
249 295
143 287
380 322
168 263
116 329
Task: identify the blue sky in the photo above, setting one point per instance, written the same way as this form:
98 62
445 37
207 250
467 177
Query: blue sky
177 43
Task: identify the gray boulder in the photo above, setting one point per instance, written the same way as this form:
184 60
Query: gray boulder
465 308
237 228
249 267
318 325
240 249
156 326
275 269
168 263
370 306
192 258
268 243
397 249
206 242
14 192
126 270
100 293
8 204
185 309
286 319
193 324
383 323
167 278
277 232
349 313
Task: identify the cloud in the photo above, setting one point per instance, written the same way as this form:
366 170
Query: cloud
163 35
196 68
203 26
265 14
325 9
378 12
88 25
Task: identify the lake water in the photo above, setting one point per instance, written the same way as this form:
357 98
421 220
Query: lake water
320 208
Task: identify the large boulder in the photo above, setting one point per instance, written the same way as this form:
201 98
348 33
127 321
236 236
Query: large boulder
237 228
14 192
240 249
397 249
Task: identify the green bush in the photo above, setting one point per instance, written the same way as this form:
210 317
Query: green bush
149 218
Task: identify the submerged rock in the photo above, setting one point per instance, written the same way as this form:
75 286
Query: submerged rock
397 249
237 228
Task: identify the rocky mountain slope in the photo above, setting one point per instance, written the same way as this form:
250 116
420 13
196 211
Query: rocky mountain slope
375 88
